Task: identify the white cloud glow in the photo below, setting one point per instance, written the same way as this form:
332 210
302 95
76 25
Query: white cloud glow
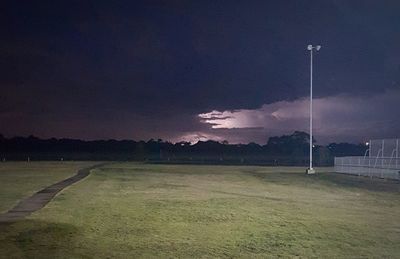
337 118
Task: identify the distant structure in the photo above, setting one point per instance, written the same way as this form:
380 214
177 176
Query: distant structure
382 159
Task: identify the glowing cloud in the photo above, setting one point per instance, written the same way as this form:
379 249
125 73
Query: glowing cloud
341 117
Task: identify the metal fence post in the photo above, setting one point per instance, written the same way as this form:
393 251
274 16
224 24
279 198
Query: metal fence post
383 150
397 153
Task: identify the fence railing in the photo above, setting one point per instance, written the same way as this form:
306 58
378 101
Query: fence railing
382 167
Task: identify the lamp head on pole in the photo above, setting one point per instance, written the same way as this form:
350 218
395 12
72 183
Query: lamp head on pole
310 47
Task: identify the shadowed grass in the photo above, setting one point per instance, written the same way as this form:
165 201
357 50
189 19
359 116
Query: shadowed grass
36 239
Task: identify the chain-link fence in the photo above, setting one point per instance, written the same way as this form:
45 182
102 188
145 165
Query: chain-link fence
384 148
382 160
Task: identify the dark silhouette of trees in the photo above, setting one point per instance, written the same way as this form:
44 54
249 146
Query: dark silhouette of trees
279 150
296 143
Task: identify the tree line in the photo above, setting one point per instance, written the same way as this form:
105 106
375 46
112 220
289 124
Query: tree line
279 150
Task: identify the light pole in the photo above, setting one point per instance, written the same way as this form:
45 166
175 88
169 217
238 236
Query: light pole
311 170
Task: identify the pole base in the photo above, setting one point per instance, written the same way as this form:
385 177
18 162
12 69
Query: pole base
310 171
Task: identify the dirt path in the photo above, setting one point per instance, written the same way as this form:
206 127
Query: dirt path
41 198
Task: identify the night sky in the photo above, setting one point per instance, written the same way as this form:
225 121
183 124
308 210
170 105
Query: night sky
198 70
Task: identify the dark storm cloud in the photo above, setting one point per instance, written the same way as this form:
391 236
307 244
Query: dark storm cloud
141 69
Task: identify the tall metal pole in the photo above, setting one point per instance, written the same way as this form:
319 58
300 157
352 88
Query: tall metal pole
397 153
311 109
311 170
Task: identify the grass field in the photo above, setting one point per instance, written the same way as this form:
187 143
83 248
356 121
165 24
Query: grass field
133 210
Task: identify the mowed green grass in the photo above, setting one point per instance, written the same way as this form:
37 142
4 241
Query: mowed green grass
130 210
22 179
